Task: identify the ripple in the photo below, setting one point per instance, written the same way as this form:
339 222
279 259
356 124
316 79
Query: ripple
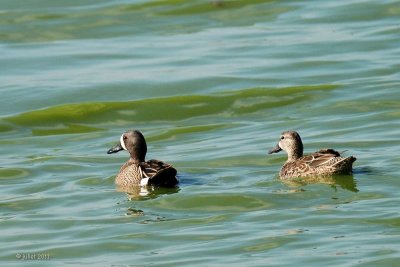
213 203
69 118
9 173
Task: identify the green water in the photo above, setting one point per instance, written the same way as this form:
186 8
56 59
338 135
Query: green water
211 84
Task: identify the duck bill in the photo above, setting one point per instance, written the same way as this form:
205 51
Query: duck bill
275 149
115 149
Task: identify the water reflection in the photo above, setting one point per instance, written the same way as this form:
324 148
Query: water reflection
146 192
346 182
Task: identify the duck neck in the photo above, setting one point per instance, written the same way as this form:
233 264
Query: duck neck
296 153
136 157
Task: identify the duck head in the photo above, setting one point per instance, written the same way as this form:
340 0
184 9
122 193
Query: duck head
133 141
290 142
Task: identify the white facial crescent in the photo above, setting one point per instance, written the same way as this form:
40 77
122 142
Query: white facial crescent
121 140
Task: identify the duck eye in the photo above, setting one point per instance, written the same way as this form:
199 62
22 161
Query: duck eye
125 137
282 137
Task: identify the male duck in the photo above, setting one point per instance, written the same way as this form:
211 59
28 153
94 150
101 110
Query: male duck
138 172
324 162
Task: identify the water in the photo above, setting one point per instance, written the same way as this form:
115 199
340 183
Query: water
211 84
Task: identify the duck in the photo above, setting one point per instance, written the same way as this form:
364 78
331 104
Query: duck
324 162
137 171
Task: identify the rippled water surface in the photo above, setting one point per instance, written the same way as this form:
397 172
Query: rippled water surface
211 84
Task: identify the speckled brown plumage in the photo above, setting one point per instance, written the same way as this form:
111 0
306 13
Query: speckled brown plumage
136 171
324 162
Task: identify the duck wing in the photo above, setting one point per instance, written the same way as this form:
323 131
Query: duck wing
159 173
322 157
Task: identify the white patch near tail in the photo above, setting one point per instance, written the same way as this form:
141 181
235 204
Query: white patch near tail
144 181
121 140
145 177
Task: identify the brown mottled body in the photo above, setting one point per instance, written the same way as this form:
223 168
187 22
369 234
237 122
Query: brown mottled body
138 172
325 162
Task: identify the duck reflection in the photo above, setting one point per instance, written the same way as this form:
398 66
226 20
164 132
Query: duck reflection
146 192
346 182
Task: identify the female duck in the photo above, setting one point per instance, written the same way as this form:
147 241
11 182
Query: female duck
324 162
138 172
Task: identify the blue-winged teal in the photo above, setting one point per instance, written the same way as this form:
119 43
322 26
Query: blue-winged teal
324 162
138 172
